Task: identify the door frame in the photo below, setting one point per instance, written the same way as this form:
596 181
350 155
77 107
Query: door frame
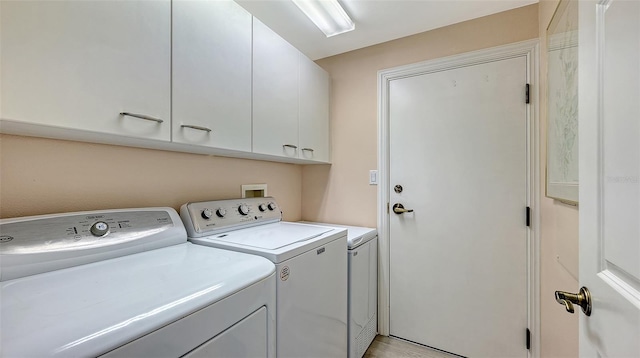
529 49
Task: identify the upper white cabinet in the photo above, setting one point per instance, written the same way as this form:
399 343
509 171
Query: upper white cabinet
199 76
275 93
211 74
314 111
80 64
290 100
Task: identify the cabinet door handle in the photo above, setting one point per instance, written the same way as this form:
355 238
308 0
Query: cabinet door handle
196 127
290 146
141 116
308 149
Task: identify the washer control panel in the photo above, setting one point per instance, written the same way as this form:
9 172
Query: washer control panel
229 215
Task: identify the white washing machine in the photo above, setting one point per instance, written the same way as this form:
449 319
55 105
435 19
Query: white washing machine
311 267
362 243
126 283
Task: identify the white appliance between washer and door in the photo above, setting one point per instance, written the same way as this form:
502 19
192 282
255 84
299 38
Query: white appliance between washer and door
363 287
65 292
311 266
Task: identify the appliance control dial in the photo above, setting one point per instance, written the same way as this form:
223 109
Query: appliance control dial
99 228
271 206
243 209
221 212
262 207
207 214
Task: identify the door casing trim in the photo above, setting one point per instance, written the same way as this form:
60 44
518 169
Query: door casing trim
530 50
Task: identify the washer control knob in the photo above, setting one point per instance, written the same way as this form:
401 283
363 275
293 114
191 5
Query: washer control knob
262 207
207 214
272 206
221 212
243 209
99 228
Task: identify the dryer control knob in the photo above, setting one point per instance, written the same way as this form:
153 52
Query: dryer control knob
272 206
100 228
262 207
207 214
221 212
243 209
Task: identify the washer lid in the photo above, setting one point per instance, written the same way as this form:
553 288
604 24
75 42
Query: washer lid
356 235
91 309
274 236
276 241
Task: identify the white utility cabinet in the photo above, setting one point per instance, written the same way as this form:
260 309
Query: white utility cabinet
80 64
275 93
290 100
191 76
211 74
314 111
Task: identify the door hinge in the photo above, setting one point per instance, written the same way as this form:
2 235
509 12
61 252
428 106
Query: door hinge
528 339
387 208
528 216
526 93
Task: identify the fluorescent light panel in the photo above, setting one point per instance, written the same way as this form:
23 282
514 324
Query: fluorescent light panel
328 15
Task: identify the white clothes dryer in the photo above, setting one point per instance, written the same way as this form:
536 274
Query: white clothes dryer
126 283
362 243
311 266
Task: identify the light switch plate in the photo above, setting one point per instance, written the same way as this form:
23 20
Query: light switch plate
373 177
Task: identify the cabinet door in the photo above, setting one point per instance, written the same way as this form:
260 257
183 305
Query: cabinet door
275 93
314 111
211 74
80 64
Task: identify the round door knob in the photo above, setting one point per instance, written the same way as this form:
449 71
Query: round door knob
207 214
262 207
243 209
272 206
221 212
100 228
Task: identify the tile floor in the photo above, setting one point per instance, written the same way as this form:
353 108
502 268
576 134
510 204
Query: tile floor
389 347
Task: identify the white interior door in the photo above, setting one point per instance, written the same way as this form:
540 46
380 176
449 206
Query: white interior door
609 113
458 262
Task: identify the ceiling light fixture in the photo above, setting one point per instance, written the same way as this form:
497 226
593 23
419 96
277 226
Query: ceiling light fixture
328 15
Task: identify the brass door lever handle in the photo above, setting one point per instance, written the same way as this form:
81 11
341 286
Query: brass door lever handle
582 299
399 209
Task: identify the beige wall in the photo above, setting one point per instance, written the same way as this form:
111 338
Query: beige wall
41 176
559 238
341 193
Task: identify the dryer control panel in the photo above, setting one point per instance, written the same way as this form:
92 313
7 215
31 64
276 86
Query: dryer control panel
211 217
38 244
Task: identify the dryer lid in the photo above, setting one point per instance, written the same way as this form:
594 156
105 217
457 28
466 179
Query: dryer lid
91 309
